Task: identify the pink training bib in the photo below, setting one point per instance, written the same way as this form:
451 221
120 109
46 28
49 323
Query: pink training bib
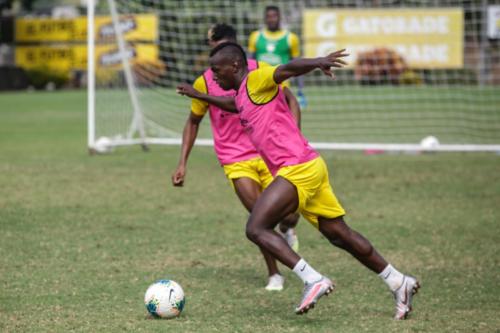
231 143
273 130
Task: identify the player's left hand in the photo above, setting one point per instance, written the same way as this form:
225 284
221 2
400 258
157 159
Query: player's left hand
334 59
185 89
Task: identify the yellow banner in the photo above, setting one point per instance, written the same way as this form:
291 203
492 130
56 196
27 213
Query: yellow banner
426 38
66 58
142 27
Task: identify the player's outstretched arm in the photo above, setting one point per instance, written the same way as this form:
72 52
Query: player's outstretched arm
189 135
293 104
301 66
225 103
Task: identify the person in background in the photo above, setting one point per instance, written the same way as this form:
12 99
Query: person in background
276 46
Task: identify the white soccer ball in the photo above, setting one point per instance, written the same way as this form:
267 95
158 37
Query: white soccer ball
103 145
429 142
165 299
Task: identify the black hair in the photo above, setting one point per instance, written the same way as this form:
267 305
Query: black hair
222 31
272 7
232 49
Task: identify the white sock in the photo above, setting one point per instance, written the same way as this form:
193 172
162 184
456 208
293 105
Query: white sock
392 277
305 272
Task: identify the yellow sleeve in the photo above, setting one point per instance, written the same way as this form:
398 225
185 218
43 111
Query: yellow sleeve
294 42
284 84
199 107
252 42
263 64
261 86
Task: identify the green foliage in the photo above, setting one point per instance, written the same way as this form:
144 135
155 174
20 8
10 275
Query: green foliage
41 76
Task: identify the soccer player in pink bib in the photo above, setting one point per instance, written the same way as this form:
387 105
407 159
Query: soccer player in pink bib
242 164
301 182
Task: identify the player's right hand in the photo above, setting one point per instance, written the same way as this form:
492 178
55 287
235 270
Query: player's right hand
178 176
334 59
185 89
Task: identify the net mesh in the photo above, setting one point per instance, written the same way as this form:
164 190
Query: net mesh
381 98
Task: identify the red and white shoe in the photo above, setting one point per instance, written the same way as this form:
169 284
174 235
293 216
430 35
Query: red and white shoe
404 295
312 293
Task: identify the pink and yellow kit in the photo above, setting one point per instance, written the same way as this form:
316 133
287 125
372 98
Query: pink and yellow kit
233 148
272 130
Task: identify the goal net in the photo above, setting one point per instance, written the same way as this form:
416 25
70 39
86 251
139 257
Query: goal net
422 74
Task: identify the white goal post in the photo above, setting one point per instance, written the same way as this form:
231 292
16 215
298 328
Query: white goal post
423 75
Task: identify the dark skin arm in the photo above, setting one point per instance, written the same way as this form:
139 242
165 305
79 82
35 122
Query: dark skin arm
188 137
301 66
295 67
226 103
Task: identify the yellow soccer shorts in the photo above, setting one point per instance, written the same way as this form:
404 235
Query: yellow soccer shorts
316 197
254 168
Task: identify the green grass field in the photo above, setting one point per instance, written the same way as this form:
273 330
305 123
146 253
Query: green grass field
82 237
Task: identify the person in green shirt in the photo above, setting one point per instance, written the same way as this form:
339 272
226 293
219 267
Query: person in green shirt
276 46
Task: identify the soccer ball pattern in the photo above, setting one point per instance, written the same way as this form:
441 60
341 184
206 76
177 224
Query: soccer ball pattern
164 299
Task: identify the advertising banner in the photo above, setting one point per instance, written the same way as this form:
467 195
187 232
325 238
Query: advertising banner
426 38
141 27
64 58
494 22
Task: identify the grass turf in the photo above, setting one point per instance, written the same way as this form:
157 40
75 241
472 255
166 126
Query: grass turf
82 237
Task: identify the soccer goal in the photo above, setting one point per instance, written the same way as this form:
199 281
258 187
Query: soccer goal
422 75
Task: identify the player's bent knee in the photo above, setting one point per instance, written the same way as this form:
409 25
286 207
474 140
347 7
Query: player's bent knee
252 233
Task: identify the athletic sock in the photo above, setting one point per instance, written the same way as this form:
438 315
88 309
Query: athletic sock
305 272
392 277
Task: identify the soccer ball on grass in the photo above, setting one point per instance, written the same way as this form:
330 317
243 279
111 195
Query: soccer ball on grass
103 145
164 299
429 142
